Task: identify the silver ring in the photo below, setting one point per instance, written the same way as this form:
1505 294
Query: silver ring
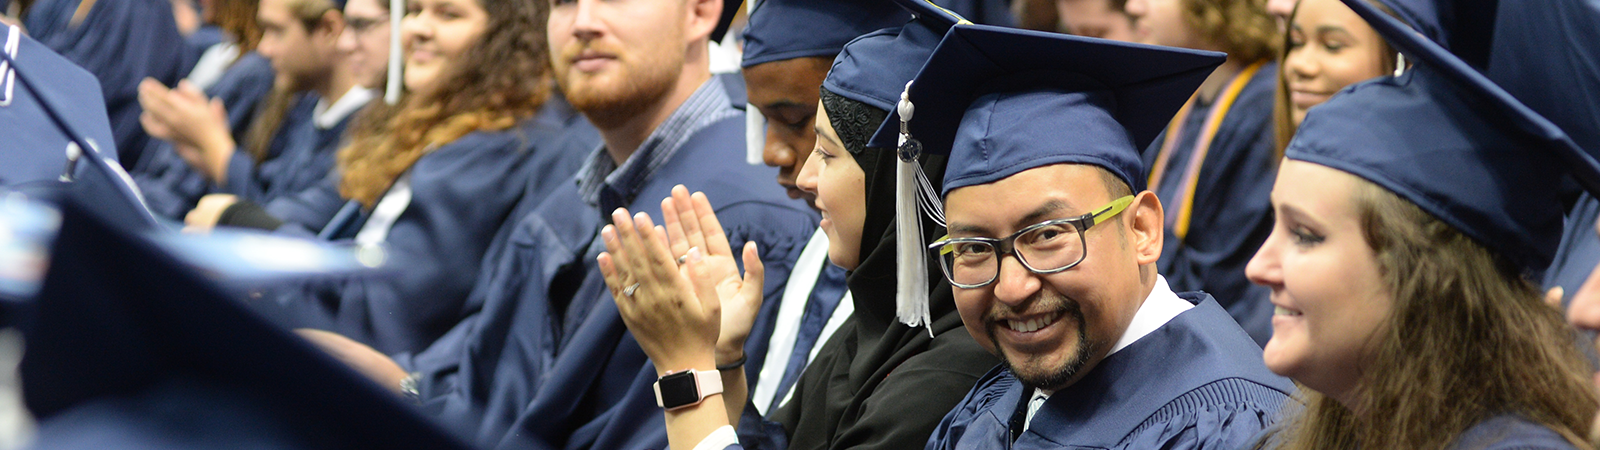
630 289
682 259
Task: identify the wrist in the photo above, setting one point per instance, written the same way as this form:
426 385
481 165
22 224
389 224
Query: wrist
736 363
218 154
730 353
682 389
667 366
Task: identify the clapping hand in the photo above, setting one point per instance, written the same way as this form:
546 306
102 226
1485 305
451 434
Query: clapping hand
196 126
677 286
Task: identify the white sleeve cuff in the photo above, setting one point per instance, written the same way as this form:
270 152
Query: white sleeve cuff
720 439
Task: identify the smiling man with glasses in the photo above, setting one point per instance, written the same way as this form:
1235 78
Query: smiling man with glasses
1053 243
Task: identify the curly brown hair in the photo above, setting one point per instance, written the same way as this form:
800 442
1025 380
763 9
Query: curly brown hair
1241 28
1469 338
503 79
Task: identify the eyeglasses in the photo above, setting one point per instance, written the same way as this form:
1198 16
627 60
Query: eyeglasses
1044 248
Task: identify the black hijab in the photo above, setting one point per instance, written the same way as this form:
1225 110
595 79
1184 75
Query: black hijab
827 408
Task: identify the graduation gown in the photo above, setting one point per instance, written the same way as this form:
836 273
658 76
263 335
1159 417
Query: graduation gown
1579 252
1510 432
548 362
804 323
170 185
121 42
460 195
1232 212
877 383
300 156
1196 382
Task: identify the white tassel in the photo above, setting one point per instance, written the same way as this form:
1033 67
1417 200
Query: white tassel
911 292
397 12
755 136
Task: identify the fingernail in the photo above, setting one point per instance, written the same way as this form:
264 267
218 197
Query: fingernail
694 254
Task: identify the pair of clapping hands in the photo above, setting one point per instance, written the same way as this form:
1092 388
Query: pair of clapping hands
197 126
677 285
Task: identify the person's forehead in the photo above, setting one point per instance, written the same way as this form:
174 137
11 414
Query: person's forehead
370 9
789 77
1083 7
1041 193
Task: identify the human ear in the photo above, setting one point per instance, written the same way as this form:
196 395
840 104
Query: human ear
1146 227
704 15
332 22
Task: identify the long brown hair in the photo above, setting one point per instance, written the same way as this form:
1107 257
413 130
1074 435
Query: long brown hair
1283 125
503 79
1469 338
238 18
275 107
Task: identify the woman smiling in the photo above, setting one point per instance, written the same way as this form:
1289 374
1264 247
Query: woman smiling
1402 296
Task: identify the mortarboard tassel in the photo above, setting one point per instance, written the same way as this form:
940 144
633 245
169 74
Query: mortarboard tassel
391 94
914 196
755 125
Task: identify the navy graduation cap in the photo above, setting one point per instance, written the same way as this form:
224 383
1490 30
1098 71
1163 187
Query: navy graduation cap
1447 139
1000 101
873 69
129 347
69 136
788 29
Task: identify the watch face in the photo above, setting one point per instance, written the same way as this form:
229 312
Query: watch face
679 389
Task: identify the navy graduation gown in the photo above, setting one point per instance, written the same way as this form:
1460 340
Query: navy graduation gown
1510 432
170 185
1232 213
300 156
548 362
1579 252
121 42
461 194
197 42
1196 382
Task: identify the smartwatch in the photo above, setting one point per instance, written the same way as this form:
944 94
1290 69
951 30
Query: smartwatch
677 390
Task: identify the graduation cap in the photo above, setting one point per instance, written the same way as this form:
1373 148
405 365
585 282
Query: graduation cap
1000 101
1447 139
873 69
71 139
130 347
787 29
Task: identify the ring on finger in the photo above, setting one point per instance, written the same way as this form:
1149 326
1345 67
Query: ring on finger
683 259
630 289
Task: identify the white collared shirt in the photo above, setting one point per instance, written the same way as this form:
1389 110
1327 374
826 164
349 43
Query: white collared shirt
1158 308
325 116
